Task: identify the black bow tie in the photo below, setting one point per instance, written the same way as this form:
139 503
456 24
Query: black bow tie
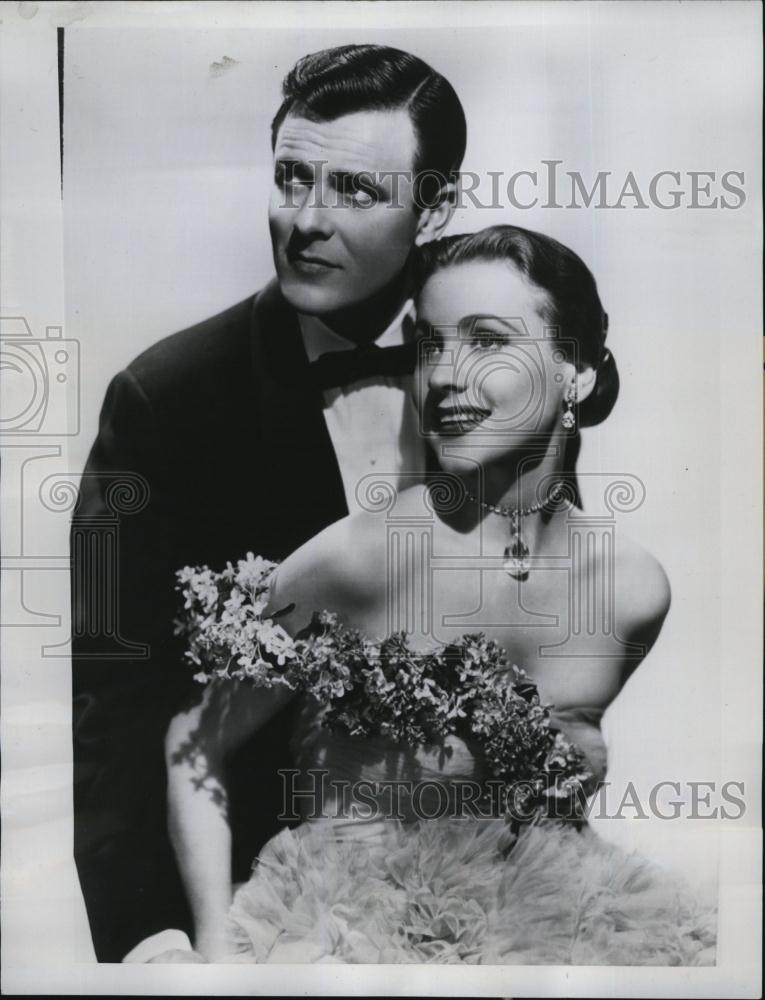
337 368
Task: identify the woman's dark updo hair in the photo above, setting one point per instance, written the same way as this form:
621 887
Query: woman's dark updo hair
575 306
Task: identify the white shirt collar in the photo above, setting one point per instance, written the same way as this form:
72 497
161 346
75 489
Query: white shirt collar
319 339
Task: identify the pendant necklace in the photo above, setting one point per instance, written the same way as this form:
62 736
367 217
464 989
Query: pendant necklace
517 558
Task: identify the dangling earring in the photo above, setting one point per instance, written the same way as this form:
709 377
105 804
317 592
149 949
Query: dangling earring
568 420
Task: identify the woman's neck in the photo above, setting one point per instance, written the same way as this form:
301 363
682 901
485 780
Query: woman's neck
519 486
512 486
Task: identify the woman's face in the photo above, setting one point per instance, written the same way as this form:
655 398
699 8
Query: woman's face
492 374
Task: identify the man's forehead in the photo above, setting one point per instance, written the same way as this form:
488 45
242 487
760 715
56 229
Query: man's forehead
363 140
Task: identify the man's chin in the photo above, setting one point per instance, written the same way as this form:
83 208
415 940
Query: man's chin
311 298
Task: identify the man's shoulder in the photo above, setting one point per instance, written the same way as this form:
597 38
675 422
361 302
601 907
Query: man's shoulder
208 351
216 334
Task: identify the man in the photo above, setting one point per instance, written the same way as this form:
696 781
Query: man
250 431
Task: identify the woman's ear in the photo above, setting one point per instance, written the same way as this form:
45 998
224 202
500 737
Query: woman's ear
585 382
433 221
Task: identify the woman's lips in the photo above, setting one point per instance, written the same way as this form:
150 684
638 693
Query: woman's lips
458 421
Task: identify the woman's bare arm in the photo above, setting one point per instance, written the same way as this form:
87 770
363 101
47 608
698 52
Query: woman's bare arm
322 574
198 740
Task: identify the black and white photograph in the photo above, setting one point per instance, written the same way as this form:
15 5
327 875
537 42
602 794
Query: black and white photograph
382 513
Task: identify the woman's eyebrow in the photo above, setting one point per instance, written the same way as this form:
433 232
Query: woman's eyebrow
468 323
511 324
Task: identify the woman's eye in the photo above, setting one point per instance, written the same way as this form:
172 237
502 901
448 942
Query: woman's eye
487 339
432 346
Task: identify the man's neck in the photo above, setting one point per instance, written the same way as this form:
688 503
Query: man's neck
364 322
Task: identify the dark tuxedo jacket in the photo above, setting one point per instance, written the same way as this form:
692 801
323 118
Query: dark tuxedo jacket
225 427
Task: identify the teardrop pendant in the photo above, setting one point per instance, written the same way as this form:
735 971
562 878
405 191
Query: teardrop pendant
517 559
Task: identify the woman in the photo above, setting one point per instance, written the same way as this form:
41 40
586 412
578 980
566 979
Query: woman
512 361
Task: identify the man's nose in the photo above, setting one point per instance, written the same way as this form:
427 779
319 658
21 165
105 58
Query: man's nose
312 218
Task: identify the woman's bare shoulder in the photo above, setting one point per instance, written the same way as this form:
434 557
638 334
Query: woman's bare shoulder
642 591
342 568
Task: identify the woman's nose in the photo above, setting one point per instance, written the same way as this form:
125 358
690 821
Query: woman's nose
444 372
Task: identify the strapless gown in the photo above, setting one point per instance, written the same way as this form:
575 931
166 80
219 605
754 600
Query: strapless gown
453 889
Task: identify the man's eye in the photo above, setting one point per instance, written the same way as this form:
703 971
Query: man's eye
353 191
363 199
288 178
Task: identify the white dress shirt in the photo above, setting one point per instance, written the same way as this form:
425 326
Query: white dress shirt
373 423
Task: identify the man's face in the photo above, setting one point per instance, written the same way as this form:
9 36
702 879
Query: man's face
341 230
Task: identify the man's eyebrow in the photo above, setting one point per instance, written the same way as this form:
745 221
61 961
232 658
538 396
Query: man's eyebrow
361 180
295 168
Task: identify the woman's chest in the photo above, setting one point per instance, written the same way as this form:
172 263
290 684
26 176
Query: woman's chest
561 632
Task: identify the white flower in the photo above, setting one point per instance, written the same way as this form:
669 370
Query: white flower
276 641
235 600
253 572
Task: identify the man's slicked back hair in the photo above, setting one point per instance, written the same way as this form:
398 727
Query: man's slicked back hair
325 85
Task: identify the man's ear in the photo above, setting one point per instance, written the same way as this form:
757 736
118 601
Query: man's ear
585 383
433 221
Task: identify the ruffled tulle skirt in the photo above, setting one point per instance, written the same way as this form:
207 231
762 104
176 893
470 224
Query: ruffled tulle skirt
464 891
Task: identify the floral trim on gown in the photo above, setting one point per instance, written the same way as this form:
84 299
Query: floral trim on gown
472 890
475 889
